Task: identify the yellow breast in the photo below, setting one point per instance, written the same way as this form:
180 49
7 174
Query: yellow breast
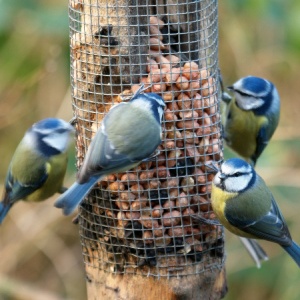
242 129
56 168
218 201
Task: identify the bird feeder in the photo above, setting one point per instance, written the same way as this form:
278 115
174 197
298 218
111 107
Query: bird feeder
140 238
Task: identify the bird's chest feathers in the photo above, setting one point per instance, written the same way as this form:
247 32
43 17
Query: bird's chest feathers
246 207
218 201
55 168
242 129
26 166
29 169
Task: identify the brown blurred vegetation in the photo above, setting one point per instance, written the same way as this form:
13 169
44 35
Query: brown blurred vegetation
262 38
39 248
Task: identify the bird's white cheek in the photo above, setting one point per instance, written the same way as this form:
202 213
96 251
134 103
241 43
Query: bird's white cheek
231 185
217 180
248 102
237 184
58 141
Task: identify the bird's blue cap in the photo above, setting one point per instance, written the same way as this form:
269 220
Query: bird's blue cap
236 163
49 123
149 97
255 84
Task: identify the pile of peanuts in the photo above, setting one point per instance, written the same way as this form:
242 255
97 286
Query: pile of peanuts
152 206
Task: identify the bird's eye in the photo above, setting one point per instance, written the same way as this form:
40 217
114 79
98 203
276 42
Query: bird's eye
62 130
243 93
237 174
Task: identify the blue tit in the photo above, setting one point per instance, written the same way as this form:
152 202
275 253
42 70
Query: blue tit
246 207
251 117
129 133
39 164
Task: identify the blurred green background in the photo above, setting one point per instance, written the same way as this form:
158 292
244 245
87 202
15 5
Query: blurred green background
41 259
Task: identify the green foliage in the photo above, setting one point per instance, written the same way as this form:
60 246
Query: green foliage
262 38
42 260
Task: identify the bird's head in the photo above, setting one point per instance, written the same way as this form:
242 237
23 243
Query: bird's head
235 176
150 102
256 94
49 136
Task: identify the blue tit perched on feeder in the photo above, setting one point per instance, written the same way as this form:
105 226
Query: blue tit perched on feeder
129 133
39 164
246 207
251 117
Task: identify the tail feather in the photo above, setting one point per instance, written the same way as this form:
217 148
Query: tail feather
294 252
4 208
70 199
257 253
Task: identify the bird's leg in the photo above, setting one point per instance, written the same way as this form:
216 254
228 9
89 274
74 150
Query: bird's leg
206 221
73 121
75 220
152 156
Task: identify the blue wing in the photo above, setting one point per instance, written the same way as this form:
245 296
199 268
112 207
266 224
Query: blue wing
262 141
114 148
101 158
16 190
271 227
4 208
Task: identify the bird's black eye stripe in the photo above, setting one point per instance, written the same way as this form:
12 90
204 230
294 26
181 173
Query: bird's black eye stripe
246 95
242 93
238 174
61 130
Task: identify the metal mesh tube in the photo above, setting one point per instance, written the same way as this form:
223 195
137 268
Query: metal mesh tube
141 221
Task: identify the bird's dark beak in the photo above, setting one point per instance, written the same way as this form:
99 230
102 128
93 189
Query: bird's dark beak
230 88
226 97
222 176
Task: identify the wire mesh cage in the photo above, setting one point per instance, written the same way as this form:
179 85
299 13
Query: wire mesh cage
142 221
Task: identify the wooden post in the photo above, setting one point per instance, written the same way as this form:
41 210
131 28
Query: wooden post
101 285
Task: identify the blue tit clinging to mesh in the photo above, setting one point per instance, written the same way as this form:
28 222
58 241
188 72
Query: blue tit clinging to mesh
255 250
129 133
39 164
246 207
251 117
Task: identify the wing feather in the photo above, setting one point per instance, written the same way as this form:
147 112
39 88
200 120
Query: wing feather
271 226
16 190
